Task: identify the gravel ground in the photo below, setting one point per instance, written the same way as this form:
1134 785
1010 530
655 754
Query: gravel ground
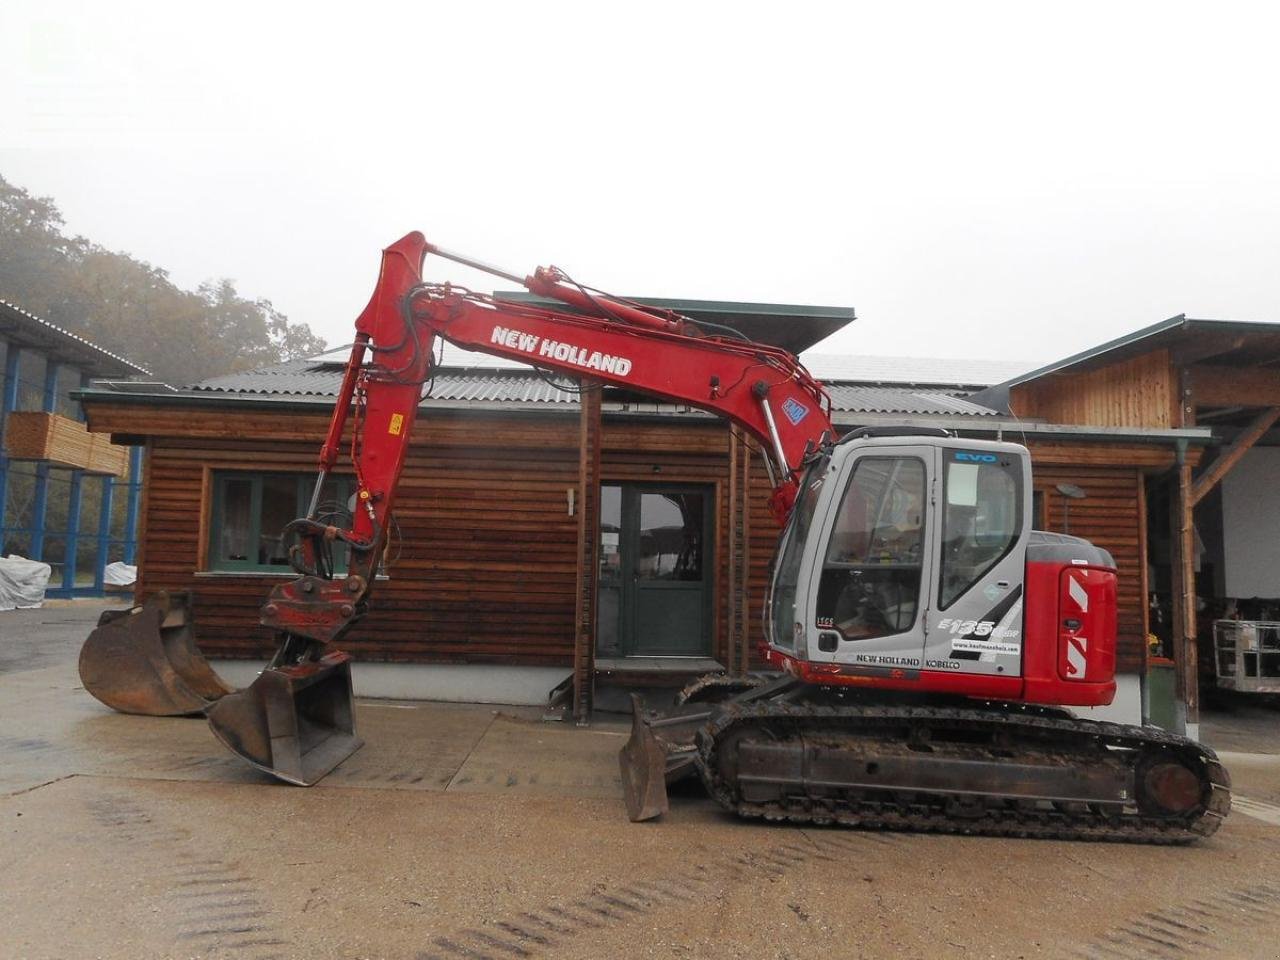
467 833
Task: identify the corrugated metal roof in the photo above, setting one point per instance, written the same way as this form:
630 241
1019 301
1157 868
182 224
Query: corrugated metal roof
880 399
304 378
26 329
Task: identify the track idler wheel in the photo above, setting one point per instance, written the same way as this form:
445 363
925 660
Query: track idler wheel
296 721
145 660
1168 787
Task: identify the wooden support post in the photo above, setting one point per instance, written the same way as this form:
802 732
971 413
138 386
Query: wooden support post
1144 561
1182 568
743 598
584 619
731 594
738 652
1229 457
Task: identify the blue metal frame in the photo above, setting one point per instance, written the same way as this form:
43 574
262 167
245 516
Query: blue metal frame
8 403
37 528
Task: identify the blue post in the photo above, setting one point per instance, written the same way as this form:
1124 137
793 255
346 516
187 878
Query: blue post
40 505
131 510
73 533
104 534
8 403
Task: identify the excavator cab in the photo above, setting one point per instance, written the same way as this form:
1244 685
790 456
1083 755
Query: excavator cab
897 536
906 553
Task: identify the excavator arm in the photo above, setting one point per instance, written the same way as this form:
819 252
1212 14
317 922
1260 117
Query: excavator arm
762 388
296 721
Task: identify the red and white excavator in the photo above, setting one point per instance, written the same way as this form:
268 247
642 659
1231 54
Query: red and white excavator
923 642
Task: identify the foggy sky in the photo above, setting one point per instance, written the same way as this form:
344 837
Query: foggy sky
1017 181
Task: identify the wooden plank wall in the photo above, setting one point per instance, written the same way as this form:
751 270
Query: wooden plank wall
485 563
1109 517
1140 392
485 568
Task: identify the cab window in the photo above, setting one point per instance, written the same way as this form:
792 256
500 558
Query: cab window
981 519
870 585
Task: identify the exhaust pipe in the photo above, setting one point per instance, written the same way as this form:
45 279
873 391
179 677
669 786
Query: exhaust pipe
144 660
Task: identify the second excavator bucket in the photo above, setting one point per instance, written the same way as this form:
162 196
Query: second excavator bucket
660 751
296 721
145 660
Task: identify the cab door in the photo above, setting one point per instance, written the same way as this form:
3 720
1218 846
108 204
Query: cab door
874 562
975 616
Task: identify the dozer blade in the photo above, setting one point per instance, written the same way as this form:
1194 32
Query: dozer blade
651 760
145 660
296 722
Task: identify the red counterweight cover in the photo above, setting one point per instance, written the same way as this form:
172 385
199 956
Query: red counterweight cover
1087 624
1070 619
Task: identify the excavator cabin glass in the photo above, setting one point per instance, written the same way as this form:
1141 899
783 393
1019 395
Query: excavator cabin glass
786 579
981 518
870 581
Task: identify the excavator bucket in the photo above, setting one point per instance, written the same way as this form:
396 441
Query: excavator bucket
145 660
296 722
660 751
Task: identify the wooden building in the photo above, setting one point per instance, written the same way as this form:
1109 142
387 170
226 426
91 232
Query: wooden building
1214 531
535 525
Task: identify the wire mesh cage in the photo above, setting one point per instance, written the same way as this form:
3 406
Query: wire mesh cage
1246 655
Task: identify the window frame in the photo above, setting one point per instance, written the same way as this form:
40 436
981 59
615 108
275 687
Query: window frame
825 562
304 485
1019 520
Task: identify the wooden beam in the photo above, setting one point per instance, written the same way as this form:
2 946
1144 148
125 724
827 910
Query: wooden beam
1140 482
1234 386
1202 348
735 548
1182 568
588 507
1231 456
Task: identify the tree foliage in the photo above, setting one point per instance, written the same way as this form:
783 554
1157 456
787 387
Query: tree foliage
132 308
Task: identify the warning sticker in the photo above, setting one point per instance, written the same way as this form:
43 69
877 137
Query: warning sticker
396 425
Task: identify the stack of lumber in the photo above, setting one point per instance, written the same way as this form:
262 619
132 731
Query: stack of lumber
62 442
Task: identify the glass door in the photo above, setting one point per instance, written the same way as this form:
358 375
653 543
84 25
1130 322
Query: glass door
655 571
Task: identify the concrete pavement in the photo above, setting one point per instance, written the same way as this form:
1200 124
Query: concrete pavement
478 833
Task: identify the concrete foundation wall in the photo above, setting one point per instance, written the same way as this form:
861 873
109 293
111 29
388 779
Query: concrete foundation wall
458 683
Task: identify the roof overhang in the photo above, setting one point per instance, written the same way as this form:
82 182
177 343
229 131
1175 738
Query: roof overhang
28 331
1227 342
794 327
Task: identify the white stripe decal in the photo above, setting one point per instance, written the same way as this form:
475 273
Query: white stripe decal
1078 593
1077 656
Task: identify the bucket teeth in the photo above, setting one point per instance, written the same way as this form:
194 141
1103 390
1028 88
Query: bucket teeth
295 722
145 660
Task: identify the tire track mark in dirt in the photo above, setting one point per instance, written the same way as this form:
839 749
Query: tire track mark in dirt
543 929
220 907
1188 929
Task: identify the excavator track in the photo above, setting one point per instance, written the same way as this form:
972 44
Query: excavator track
1000 772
